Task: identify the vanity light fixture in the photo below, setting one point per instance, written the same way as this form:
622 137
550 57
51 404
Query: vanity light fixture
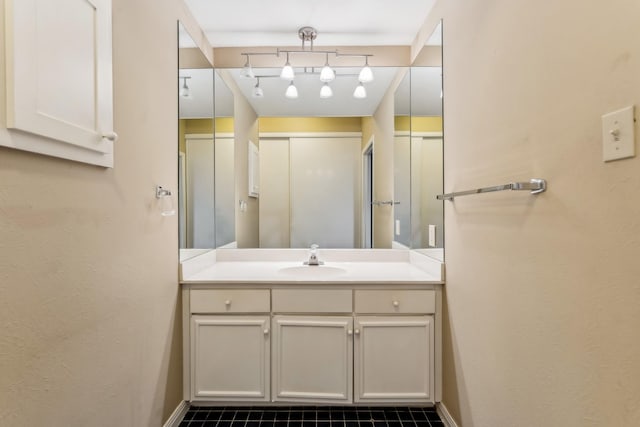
257 90
326 91
292 91
327 73
247 71
360 92
287 71
185 92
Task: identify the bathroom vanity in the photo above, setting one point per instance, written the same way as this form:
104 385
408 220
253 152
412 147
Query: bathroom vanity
261 327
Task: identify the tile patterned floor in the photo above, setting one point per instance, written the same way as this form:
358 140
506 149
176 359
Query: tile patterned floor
311 416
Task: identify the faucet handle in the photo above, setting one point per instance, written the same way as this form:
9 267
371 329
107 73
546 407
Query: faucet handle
314 246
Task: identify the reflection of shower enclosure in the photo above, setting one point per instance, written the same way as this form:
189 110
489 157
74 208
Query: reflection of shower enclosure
426 184
402 191
210 193
310 192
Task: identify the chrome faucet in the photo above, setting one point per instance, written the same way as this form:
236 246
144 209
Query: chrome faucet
313 256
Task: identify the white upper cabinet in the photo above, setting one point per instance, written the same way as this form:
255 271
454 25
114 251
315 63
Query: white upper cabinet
59 78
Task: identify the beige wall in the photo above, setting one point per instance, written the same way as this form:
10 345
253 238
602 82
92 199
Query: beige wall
542 292
89 308
245 123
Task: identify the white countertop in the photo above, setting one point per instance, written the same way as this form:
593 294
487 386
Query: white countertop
285 266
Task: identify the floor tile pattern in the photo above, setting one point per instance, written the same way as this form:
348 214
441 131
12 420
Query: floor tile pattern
311 416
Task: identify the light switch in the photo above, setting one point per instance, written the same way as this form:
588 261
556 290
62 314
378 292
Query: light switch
397 227
432 236
618 139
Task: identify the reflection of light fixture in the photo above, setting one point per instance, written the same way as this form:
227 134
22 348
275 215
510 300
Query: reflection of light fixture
366 75
292 91
185 92
360 92
287 71
325 91
247 71
327 74
257 90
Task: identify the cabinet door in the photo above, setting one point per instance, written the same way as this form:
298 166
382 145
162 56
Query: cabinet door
394 359
59 78
312 359
230 358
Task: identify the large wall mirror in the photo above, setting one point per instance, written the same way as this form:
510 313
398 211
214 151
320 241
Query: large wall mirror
271 170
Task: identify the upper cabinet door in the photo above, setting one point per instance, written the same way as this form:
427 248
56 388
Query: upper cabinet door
59 76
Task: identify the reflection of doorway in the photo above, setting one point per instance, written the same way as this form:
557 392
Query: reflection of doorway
367 196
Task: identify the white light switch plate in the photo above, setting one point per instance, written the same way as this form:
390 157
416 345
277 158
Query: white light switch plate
397 227
432 236
618 139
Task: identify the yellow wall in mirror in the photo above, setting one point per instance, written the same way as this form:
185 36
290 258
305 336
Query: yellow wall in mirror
418 123
310 124
187 126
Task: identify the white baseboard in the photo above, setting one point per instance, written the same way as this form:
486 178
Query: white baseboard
445 416
177 415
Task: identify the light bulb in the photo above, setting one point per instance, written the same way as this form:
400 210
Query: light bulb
366 75
326 91
360 92
292 91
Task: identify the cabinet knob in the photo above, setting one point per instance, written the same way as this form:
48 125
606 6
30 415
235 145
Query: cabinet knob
111 136
349 332
357 331
227 302
396 303
266 332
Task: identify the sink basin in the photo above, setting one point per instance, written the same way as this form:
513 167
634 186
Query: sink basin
312 271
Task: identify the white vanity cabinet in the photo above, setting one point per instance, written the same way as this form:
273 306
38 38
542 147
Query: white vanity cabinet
316 344
229 349
394 340
313 347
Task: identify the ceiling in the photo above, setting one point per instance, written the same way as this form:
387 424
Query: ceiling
275 23
228 23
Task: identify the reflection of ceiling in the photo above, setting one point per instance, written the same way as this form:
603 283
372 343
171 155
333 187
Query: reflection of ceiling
275 23
339 22
309 103
199 105
426 89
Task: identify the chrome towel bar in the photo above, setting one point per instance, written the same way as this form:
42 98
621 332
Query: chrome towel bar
536 186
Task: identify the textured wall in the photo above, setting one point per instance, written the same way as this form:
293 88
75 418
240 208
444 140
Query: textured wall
543 293
89 306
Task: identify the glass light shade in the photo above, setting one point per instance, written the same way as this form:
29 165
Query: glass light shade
326 91
366 75
287 72
327 74
185 92
360 92
247 71
257 92
292 91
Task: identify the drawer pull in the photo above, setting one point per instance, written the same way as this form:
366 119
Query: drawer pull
227 302
396 303
357 331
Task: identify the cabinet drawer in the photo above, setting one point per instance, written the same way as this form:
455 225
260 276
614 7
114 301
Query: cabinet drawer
395 301
229 301
312 300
